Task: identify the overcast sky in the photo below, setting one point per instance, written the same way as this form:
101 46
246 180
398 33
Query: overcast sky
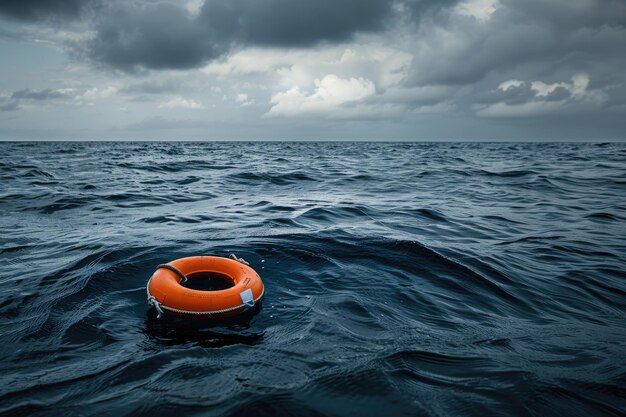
313 69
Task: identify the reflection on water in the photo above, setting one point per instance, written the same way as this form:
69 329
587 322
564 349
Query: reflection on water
214 332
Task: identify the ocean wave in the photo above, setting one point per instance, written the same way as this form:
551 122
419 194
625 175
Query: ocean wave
401 279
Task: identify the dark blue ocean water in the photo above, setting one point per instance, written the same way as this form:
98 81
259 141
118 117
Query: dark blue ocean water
401 279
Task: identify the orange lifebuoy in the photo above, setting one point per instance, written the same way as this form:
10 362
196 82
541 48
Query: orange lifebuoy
166 293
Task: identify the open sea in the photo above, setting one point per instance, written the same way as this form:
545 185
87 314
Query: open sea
402 279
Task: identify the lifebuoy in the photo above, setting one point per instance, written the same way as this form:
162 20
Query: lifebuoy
166 293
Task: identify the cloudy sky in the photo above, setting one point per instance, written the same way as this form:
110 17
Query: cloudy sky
313 69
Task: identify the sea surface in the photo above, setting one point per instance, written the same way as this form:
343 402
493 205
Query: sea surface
402 279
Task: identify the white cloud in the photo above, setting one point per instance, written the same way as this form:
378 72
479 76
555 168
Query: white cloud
580 99
250 61
578 86
479 9
329 98
380 63
181 103
243 99
383 65
193 7
510 84
329 81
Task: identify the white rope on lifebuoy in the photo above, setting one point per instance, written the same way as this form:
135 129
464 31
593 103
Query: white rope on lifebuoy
159 307
243 261
154 302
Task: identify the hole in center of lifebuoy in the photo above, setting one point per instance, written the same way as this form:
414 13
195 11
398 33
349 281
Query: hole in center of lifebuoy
208 281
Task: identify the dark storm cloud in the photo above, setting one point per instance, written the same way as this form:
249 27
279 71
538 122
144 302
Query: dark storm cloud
418 10
154 36
132 36
28 94
568 14
135 35
530 38
292 22
457 60
32 10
